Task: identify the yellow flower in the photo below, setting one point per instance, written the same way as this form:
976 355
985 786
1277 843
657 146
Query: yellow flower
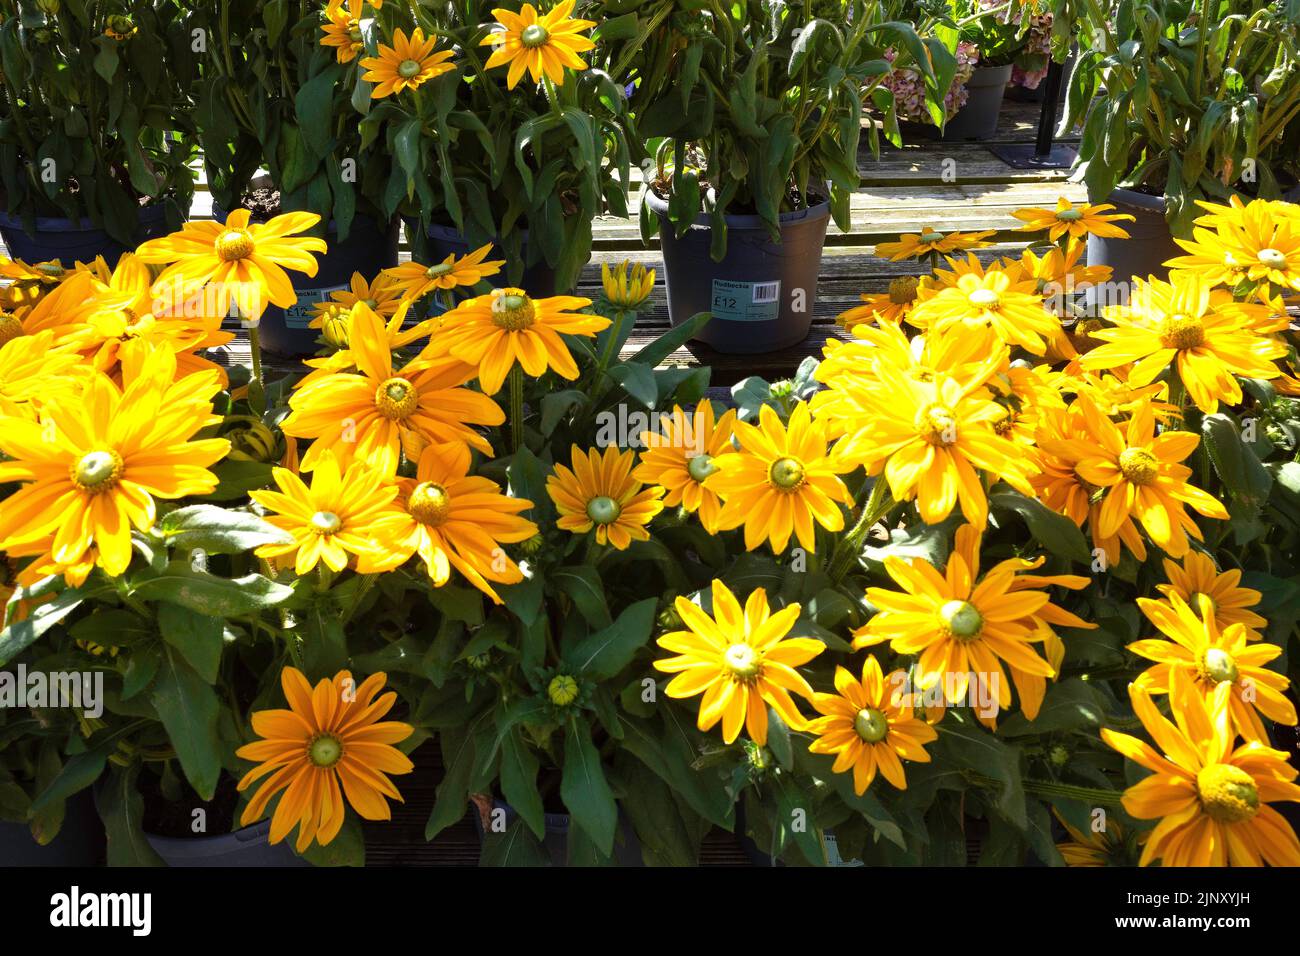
739 662
1058 271
1006 304
542 44
1067 219
31 373
1198 577
1255 243
626 286
64 310
601 492
93 467
1203 332
867 727
336 329
342 29
931 438
911 245
1141 475
413 280
244 262
781 481
332 519
964 626
1211 798
1112 845
407 64
682 454
381 295
493 332
1210 657
377 412
328 751
452 519
891 306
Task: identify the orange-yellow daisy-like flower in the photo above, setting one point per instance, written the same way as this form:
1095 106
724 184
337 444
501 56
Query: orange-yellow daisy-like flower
1211 657
381 295
333 519
378 412
541 44
242 261
868 727
964 626
32 373
682 454
997 299
1077 222
600 492
739 661
413 280
494 332
342 29
1211 797
93 466
782 481
336 329
330 750
1253 243
1203 332
1197 577
1140 474
911 245
452 519
626 286
890 306
1112 845
406 65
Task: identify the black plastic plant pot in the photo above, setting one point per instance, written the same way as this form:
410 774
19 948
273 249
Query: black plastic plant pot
539 278
249 846
1149 245
72 241
79 842
370 248
978 119
627 848
761 295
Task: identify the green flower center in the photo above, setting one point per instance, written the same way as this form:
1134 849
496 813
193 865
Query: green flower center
786 474
439 270
962 619
1182 331
742 661
984 299
871 725
603 510
1217 665
700 467
513 311
1273 258
1228 794
1069 215
534 35
408 68
325 751
396 399
1138 466
233 245
326 522
429 504
97 471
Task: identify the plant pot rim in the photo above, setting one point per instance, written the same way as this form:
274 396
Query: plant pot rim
255 833
821 209
10 220
988 71
1122 196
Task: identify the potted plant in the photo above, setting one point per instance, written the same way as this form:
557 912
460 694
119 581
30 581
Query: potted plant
96 126
278 133
1197 103
760 124
503 141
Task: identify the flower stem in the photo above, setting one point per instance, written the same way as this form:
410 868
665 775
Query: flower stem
516 381
1050 788
877 506
255 349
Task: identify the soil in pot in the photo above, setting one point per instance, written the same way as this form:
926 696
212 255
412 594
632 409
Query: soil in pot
761 295
170 818
70 241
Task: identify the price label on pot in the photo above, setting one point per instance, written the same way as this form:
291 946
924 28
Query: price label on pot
746 301
299 315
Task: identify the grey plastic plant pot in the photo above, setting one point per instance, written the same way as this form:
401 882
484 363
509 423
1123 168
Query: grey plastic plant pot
1149 245
79 842
370 248
627 848
978 119
246 847
761 295
72 241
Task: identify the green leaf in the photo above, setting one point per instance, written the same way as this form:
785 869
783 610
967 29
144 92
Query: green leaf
585 790
515 847
453 793
188 708
122 809
20 635
1054 531
582 583
601 655
113 627
1235 462
969 746
346 849
218 530
638 381
655 352
1069 705
198 638
208 594
519 782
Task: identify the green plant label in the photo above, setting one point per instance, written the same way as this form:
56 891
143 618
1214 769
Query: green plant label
746 301
298 315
